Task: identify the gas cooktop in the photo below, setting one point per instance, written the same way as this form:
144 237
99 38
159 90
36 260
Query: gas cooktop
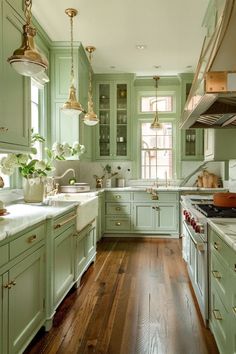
212 211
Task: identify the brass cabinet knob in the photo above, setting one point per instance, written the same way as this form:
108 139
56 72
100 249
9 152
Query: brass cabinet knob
3 129
13 282
118 196
157 208
234 308
118 223
217 315
216 274
216 246
118 208
31 238
153 207
7 286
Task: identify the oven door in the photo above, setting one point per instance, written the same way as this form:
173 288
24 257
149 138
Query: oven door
196 258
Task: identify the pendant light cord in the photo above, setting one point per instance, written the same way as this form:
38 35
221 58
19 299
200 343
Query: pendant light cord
72 50
90 97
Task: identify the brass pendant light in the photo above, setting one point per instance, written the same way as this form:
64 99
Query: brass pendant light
72 106
156 124
90 117
27 60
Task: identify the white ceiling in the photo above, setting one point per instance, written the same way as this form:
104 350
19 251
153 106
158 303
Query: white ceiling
170 29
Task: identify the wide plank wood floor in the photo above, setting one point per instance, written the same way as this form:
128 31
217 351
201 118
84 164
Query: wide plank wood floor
135 299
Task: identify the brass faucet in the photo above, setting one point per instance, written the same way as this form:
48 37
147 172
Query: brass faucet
55 186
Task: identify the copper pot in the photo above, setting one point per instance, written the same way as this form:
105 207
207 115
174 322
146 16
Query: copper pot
224 199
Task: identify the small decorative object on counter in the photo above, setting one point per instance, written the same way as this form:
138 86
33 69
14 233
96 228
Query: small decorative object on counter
99 181
208 180
34 189
120 182
1 182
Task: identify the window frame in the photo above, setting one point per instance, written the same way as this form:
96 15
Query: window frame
171 94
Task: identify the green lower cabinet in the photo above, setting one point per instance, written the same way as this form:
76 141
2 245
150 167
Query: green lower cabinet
63 264
23 302
155 217
85 244
101 216
222 314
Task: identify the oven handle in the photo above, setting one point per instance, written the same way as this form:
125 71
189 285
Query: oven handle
199 244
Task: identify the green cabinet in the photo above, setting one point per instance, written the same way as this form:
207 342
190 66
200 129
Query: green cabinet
14 88
25 300
222 312
63 264
101 215
85 249
64 127
113 106
128 212
22 280
191 139
219 144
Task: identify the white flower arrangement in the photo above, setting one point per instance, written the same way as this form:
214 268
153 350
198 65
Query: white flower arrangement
62 151
30 167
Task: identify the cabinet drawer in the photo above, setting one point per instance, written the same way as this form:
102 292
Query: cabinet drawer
64 222
118 197
4 255
117 208
222 250
160 197
219 276
29 239
119 224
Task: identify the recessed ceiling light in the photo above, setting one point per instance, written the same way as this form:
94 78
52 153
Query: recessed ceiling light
112 67
141 46
157 66
189 66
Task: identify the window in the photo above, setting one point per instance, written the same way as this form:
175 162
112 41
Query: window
35 116
156 151
164 104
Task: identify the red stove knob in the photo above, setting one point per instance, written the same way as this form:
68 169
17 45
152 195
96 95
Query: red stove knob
184 212
199 228
193 222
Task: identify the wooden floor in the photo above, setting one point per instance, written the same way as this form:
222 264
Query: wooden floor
136 299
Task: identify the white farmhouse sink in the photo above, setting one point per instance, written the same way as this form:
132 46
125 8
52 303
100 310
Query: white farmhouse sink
87 209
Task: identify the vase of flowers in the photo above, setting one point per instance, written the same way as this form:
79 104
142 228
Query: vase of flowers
35 171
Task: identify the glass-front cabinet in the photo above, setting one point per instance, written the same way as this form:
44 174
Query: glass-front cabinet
113 109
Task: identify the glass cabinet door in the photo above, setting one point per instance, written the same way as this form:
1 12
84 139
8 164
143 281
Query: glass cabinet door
104 116
121 120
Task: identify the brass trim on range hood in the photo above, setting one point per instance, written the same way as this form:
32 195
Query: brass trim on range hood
212 99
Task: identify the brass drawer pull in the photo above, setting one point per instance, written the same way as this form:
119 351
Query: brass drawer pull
216 246
13 282
157 208
118 208
234 308
3 129
155 197
118 196
216 274
153 207
118 223
31 238
57 226
217 315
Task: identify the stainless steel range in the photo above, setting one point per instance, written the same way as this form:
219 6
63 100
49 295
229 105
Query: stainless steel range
195 247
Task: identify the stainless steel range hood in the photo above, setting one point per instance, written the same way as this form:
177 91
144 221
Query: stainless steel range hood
212 99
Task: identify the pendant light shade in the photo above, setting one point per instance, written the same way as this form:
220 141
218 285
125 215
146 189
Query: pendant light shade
156 124
72 106
90 117
27 60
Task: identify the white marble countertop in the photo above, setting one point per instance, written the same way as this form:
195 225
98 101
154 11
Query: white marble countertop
226 228
160 189
21 215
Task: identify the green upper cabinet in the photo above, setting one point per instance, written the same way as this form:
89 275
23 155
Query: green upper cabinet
14 88
64 127
113 100
219 144
191 139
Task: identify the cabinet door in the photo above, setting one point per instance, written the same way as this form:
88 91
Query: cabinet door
192 145
144 217
1 315
80 254
209 144
166 217
121 119
26 300
104 94
63 264
192 260
91 241
15 105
